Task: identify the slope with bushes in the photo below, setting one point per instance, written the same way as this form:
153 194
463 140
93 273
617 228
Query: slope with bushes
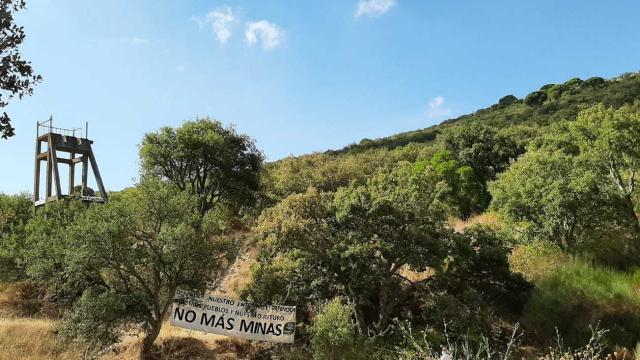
367 239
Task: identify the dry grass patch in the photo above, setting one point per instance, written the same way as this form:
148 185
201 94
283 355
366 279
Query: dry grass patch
488 219
32 339
239 273
173 343
26 299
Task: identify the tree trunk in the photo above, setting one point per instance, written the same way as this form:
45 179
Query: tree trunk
149 339
633 217
384 311
383 320
362 324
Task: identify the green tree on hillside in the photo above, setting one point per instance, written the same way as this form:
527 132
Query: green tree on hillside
16 75
466 192
210 161
354 243
551 195
335 335
612 137
141 246
486 152
578 182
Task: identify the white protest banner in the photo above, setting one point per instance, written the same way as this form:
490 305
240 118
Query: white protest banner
232 317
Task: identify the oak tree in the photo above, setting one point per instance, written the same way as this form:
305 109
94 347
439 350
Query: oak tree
206 159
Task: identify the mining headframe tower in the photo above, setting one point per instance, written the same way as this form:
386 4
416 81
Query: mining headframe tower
75 142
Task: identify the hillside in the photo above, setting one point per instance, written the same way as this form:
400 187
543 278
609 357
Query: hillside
512 119
549 104
517 222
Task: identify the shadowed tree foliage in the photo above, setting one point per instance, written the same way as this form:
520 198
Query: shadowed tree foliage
483 151
210 161
16 75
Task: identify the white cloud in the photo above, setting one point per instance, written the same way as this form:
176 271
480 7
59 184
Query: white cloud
220 20
436 102
374 8
437 109
269 34
134 40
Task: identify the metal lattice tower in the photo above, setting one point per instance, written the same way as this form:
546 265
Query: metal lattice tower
64 140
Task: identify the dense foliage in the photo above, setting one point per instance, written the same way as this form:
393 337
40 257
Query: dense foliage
353 243
15 212
386 248
577 186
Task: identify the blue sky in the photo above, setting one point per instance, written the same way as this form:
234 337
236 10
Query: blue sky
297 76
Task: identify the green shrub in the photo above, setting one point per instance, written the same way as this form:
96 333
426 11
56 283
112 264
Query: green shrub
536 98
15 212
594 82
335 334
555 92
578 295
573 82
94 317
507 100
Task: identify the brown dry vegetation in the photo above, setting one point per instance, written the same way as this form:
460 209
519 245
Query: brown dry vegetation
32 339
239 272
172 343
488 219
